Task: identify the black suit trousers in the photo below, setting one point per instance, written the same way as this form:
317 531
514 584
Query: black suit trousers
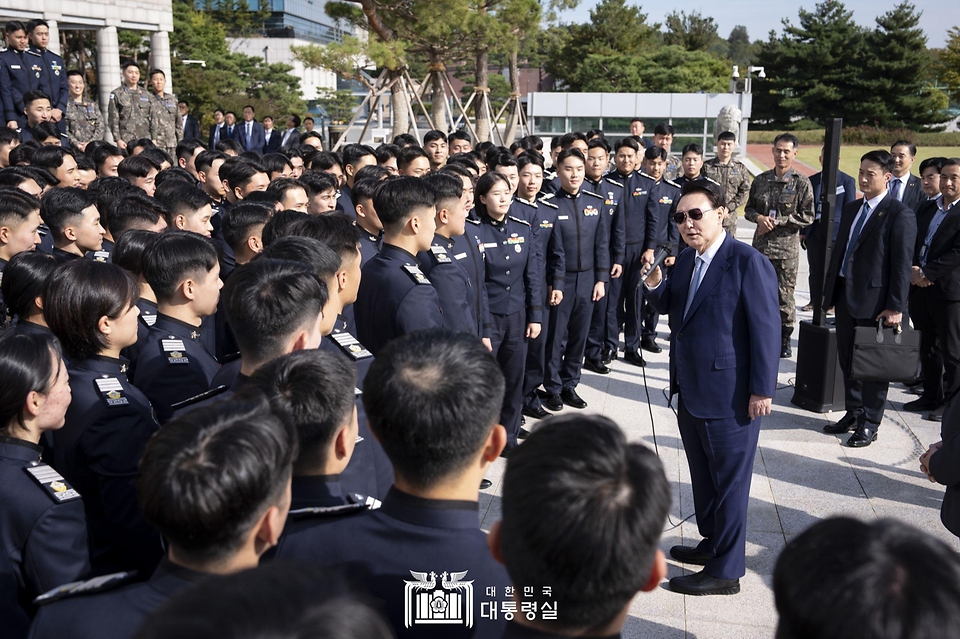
865 400
939 324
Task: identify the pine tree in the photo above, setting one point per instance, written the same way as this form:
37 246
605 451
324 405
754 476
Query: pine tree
740 49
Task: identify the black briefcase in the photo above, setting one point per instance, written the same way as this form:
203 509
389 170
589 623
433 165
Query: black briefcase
885 354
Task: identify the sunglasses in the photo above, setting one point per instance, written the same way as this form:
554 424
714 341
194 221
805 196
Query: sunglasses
695 214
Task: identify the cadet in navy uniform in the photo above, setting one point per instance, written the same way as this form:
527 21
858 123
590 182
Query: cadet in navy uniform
53 67
216 518
367 219
586 240
395 297
26 275
182 269
441 435
21 70
91 308
74 221
128 255
566 535
604 335
43 531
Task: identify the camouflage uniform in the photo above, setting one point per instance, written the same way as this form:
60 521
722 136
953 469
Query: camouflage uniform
165 122
674 168
84 122
735 180
130 113
791 198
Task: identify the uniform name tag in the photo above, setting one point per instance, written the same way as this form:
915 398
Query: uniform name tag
461 256
490 245
112 391
174 349
52 483
563 217
440 254
350 345
101 256
841 190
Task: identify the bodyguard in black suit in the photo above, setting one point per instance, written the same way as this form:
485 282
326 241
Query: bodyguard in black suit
935 294
868 279
271 138
812 236
188 123
218 131
904 185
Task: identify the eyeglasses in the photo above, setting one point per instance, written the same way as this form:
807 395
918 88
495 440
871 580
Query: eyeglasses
695 214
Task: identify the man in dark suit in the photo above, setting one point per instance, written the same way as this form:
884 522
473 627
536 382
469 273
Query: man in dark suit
188 124
724 355
291 137
811 237
271 137
904 185
249 133
217 131
868 280
941 463
935 294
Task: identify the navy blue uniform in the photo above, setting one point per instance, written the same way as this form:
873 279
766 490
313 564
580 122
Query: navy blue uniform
62 256
147 318
664 197
98 450
20 72
369 245
369 471
43 533
605 333
639 232
173 365
585 230
345 201
395 298
105 254
115 609
408 537
56 76
514 287
468 251
453 285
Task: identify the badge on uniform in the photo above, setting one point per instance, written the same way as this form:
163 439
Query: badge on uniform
637 192
665 200
174 348
350 345
610 199
51 482
112 391
37 69
460 256
149 318
416 274
563 217
546 224
101 256
440 254
590 211
55 67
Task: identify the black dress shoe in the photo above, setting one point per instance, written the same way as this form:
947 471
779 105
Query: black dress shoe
570 398
785 351
554 403
863 436
921 404
635 358
845 425
650 345
703 584
542 394
523 434
936 415
690 555
915 389
608 355
596 366
535 412
485 483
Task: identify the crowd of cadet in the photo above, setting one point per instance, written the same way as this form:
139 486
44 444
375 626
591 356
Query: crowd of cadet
225 353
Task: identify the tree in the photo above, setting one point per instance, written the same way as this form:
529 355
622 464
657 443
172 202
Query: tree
740 50
669 69
693 32
339 104
949 62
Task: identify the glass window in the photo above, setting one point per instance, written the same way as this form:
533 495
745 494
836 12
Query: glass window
584 124
688 126
616 125
551 125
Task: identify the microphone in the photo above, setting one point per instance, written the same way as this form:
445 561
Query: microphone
662 254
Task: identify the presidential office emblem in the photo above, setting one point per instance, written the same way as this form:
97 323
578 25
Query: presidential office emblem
426 603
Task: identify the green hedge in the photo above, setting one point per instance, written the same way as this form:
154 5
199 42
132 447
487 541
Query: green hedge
864 135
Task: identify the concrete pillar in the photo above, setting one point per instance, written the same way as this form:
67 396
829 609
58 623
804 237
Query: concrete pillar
108 69
160 56
54 43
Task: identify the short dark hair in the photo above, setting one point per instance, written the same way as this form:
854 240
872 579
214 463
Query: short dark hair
136 166
936 163
129 249
408 154
881 157
50 157
429 423
236 224
154 72
207 477
75 73
501 159
13 26
205 159
16 206
26 366
24 277
77 295
322 259
36 22
911 147
128 63
708 187
317 182
306 135
312 390
405 139
135 211
277 225
175 173
528 157
159 156
101 152
787 137
459 134
449 188
326 160
909 579
174 257
396 199
237 171
353 153
636 120
229 144
454 168
727 135
32 96
275 163
664 129
295 118
583 511
188 147
47 130
567 139
8 136
599 143
280 186
364 188
61 207
431 136
484 185
694 148
571 152
248 106
655 153
387 151
371 171
181 199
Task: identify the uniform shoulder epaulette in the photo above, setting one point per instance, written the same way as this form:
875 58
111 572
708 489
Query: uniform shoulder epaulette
547 196
52 483
370 502
550 204
174 348
440 254
672 183
642 174
470 220
190 401
520 220
416 274
88 587
33 53
232 357
613 182
592 193
329 511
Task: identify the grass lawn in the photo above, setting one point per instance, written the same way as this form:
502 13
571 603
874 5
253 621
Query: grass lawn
850 156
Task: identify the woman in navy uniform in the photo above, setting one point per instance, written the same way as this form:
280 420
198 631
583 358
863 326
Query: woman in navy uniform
91 307
43 532
24 277
513 280
128 254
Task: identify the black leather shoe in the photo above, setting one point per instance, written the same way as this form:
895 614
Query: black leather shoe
535 412
936 415
690 555
596 366
570 398
608 355
921 404
554 403
650 345
863 436
485 483
523 434
785 350
635 358
703 584
845 425
915 389
542 394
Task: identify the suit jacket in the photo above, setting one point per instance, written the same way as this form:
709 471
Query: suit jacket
271 144
192 129
256 139
883 255
945 466
913 195
728 346
846 193
290 137
223 134
943 255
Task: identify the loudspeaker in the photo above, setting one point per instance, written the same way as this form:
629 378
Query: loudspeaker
819 382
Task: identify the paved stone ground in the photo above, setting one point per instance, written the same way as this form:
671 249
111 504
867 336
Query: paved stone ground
801 475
